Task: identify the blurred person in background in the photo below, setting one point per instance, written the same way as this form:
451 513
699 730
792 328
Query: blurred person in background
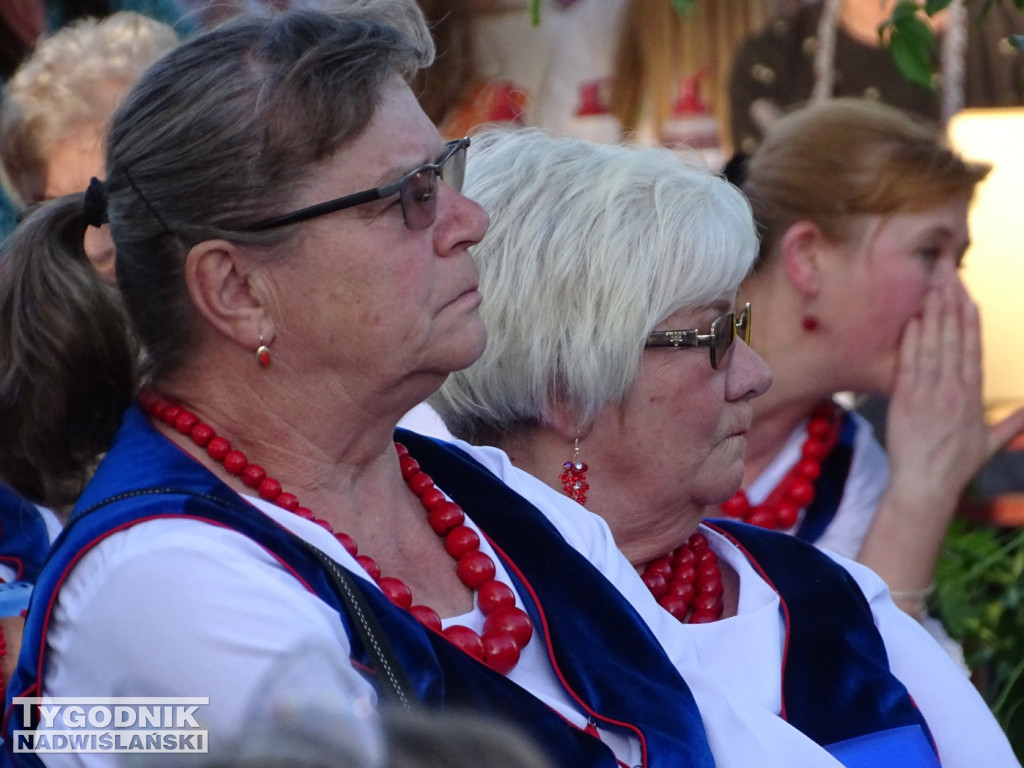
57 106
862 210
24 23
832 48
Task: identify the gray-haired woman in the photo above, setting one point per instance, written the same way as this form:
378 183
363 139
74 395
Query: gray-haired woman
617 371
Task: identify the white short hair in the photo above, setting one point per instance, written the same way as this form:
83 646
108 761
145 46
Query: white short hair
72 82
590 247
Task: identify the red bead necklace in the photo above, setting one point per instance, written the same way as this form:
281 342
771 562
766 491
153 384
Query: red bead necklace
507 628
687 581
781 508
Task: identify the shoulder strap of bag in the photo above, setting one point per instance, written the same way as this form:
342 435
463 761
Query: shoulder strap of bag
395 684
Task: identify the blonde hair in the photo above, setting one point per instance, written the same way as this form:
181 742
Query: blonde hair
833 160
72 82
659 47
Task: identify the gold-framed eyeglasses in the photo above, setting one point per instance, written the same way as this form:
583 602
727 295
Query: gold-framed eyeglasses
724 330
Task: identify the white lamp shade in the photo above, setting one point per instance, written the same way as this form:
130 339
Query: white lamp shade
994 267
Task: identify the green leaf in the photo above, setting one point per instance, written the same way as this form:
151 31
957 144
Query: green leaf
979 595
535 12
912 44
683 7
904 9
931 7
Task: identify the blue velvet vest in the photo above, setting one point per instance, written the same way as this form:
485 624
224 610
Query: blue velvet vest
836 683
602 652
24 540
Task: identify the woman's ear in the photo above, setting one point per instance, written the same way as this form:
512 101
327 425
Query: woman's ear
224 285
563 420
802 255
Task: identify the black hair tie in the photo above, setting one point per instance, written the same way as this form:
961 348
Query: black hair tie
735 171
94 206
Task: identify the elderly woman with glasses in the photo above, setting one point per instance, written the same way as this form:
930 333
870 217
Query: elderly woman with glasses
293 274
224 420
618 373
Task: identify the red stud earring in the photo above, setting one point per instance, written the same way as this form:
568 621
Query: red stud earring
263 353
810 322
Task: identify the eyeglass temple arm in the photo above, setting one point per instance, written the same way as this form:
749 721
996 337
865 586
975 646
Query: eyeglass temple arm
679 339
321 208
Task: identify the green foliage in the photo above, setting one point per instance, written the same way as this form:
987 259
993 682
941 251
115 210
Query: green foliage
979 596
911 41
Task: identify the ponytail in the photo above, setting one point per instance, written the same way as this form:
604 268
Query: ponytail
66 357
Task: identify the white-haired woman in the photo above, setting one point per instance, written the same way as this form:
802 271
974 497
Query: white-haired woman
57 105
617 372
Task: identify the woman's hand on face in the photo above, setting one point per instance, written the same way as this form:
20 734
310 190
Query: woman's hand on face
937 435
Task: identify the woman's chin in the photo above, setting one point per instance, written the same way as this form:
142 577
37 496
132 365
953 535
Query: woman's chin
730 481
467 353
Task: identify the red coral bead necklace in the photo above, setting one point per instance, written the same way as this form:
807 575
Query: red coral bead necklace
687 582
507 628
781 508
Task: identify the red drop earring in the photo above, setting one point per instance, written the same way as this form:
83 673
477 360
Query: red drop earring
263 353
809 322
574 476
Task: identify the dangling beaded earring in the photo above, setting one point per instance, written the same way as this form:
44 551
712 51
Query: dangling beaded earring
574 477
263 353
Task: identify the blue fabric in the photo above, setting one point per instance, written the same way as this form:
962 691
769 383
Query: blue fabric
14 597
601 631
829 487
24 540
611 663
897 748
8 217
168 11
836 683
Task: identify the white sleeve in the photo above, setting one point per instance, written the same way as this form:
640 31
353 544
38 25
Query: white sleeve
53 523
964 729
237 613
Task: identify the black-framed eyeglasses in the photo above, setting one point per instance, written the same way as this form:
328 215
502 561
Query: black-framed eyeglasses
417 191
724 330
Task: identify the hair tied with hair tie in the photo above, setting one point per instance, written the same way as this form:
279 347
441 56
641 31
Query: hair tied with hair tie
735 170
94 206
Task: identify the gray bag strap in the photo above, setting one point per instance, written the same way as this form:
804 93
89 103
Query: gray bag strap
395 684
